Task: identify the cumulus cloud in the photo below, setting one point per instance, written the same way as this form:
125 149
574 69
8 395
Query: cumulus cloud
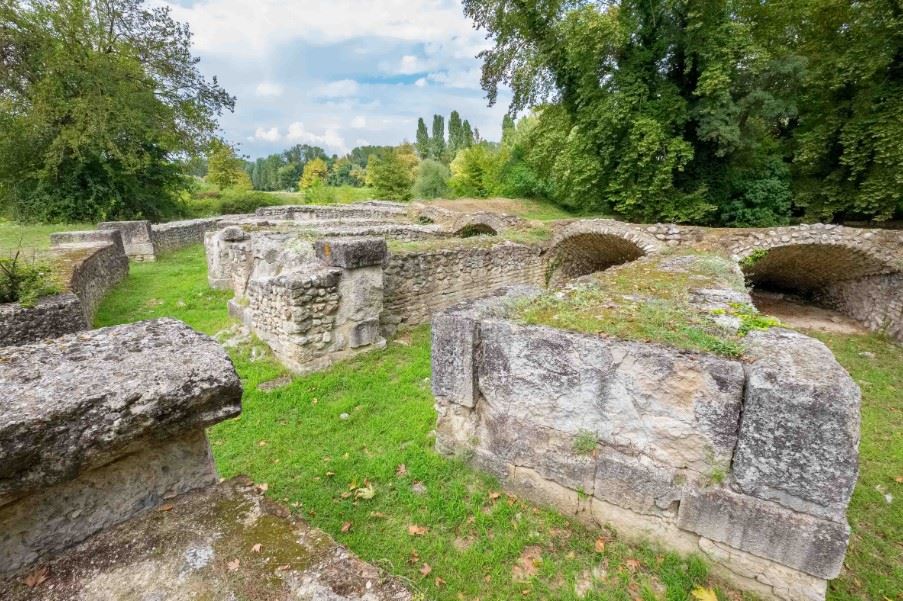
267 135
259 28
359 122
268 88
457 78
329 139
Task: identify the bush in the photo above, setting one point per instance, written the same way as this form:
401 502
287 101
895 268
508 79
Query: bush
431 180
25 282
243 201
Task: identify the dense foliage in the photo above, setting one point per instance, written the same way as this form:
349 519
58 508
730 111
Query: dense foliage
730 112
106 97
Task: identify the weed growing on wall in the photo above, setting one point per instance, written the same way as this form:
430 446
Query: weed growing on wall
25 281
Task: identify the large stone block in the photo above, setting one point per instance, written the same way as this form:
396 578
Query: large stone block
678 409
352 253
81 401
94 237
804 542
799 435
454 342
137 238
635 484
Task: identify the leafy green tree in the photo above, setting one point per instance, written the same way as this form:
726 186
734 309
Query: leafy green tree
455 134
315 172
508 128
390 174
105 96
437 139
431 180
467 137
475 171
225 169
423 140
656 110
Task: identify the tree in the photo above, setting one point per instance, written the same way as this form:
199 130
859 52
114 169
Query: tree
656 110
106 97
423 140
315 172
431 180
467 135
455 134
390 175
508 127
437 139
225 169
475 171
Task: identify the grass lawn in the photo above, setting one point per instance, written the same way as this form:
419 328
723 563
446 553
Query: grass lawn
374 483
29 237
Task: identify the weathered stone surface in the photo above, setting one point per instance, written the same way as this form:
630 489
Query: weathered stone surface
455 338
352 253
813 545
679 409
52 519
136 237
799 435
635 483
204 548
159 379
90 238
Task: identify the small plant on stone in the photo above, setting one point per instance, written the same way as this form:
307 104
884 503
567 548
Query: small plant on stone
752 258
25 281
751 319
584 443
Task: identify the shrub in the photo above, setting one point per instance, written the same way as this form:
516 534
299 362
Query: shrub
25 282
431 180
240 201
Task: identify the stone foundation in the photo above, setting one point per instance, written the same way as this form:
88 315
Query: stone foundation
751 463
99 426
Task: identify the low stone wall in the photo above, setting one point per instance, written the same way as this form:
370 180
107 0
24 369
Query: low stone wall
418 284
49 318
750 464
145 242
97 427
363 210
875 301
88 265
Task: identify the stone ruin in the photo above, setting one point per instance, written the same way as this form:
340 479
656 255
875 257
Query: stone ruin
97 429
749 461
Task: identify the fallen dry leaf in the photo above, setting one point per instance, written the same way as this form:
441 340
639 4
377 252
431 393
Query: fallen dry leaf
704 594
367 492
632 564
600 545
401 470
439 582
493 496
36 577
165 507
233 565
426 569
256 548
899 479
263 487
346 526
415 530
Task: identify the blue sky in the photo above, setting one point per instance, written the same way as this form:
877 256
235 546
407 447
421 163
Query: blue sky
339 73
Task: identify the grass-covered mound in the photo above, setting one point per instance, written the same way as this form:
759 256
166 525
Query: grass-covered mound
665 298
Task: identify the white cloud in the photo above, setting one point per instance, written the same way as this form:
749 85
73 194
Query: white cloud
359 122
329 139
268 88
343 88
259 28
457 78
421 83
267 135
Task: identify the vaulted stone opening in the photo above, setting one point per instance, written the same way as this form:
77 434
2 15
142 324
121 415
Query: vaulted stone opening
842 278
586 253
476 229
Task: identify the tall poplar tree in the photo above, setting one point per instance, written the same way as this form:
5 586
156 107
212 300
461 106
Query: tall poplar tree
437 140
422 141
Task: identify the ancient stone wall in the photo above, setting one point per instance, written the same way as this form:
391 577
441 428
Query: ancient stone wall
417 284
875 301
363 210
176 235
50 317
750 464
99 426
88 265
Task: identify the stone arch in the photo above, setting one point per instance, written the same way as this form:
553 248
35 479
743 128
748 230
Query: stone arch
832 266
586 247
476 229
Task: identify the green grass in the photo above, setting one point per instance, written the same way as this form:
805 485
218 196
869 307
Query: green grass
293 439
326 195
874 561
31 236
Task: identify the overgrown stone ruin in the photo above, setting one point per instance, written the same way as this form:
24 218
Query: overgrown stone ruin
744 451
